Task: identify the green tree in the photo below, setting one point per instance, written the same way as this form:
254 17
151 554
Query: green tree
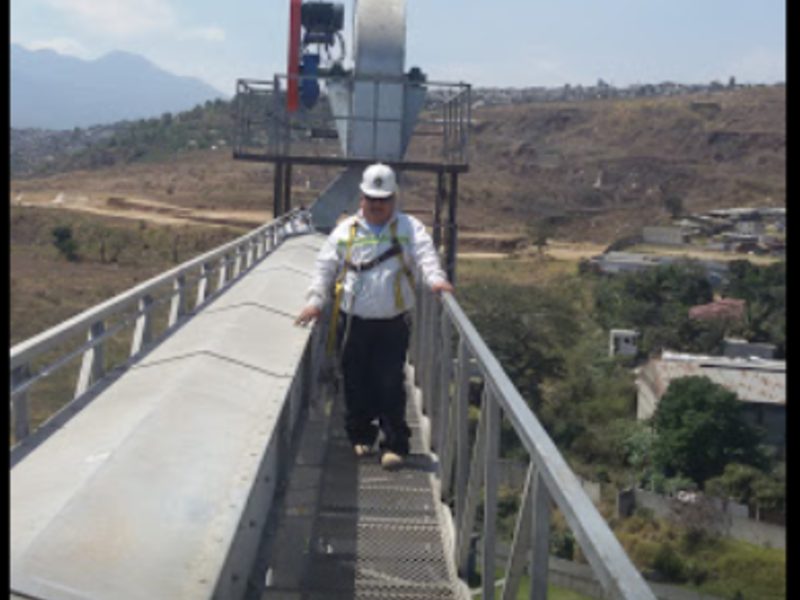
748 485
64 241
674 206
539 232
526 328
655 301
583 406
764 290
700 430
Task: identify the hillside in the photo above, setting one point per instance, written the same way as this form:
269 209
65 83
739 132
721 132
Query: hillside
602 169
597 170
53 91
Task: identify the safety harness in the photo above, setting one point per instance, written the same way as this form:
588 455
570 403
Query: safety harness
395 250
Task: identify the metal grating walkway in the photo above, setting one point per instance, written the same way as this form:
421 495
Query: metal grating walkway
350 530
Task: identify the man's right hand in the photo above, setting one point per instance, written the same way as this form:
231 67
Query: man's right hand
309 314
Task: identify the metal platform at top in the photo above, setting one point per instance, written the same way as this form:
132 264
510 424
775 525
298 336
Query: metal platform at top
436 141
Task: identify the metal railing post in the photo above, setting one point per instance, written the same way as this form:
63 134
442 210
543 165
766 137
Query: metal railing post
462 427
250 254
19 403
434 387
143 331
442 434
93 365
416 359
515 565
412 359
492 410
258 247
223 272
427 351
261 245
202 284
466 520
177 309
237 262
540 539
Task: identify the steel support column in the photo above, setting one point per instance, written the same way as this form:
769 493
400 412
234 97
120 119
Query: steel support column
437 211
287 188
277 191
452 228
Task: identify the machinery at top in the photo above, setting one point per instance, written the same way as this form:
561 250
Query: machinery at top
376 104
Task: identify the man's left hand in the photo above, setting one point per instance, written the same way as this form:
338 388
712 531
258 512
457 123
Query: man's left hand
442 286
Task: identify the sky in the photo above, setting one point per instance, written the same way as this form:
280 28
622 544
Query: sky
488 43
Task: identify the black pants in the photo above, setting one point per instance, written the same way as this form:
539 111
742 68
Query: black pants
374 381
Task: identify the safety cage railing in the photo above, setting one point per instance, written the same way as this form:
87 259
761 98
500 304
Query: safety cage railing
266 130
446 351
111 335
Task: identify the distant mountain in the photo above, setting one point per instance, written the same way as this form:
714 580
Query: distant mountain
54 91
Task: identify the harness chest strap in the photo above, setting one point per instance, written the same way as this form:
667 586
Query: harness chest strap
398 294
339 290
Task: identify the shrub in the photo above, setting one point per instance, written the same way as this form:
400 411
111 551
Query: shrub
669 564
64 242
562 544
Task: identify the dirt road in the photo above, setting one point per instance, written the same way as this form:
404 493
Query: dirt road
141 209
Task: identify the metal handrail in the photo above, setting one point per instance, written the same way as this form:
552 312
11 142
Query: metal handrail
453 127
439 326
248 248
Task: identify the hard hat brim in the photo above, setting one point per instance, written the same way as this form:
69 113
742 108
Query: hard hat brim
375 193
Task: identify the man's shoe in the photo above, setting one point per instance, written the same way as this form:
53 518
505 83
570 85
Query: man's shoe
391 460
362 450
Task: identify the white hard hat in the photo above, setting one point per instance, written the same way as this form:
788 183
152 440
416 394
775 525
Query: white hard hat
379 181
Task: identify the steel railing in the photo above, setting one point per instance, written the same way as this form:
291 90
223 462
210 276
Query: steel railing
265 128
135 308
445 351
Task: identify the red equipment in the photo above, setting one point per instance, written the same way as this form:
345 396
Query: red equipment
293 70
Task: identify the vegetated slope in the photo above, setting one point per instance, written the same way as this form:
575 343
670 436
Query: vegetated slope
604 168
599 169
36 152
112 255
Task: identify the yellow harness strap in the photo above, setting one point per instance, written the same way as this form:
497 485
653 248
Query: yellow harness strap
398 294
339 289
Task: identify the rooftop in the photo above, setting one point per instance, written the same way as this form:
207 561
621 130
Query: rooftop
752 379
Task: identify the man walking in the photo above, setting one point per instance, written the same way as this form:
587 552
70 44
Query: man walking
368 256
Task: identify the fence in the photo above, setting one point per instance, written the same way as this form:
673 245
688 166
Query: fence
725 522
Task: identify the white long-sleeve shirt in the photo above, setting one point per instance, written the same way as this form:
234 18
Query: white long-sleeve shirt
370 294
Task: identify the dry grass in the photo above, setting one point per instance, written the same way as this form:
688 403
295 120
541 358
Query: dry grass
534 270
46 289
